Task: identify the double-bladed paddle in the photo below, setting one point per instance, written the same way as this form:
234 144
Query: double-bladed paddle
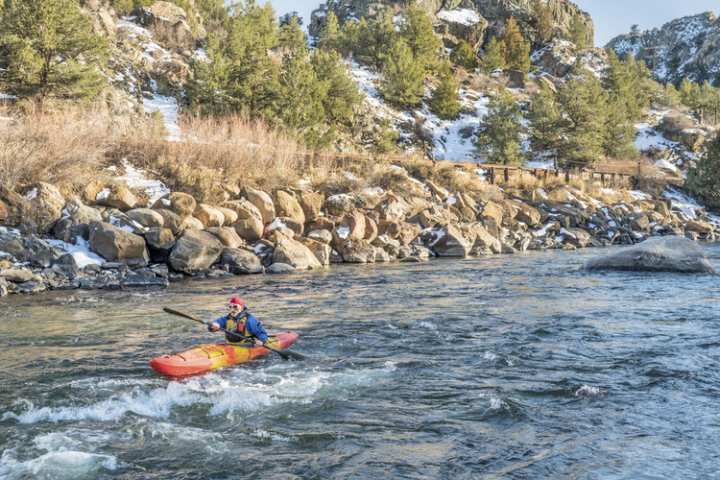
285 354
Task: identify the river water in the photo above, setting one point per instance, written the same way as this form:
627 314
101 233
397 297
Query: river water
517 367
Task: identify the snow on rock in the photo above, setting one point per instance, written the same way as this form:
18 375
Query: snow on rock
137 179
687 206
80 251
463 16
455 139
648 138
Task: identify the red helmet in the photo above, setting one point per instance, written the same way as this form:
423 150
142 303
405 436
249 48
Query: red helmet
237 301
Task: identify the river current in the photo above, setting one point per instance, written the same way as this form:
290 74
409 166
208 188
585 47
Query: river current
508 367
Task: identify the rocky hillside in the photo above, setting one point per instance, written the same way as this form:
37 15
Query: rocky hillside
688 47
476 19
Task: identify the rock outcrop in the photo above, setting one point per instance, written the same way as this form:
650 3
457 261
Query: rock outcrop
665 254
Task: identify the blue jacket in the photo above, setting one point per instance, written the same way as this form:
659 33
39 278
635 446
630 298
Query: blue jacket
252 326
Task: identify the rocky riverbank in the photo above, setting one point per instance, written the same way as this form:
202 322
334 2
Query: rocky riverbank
118 235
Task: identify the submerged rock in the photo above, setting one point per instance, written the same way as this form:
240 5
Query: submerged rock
663 254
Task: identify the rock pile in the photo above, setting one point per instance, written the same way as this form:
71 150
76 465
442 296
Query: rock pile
117 241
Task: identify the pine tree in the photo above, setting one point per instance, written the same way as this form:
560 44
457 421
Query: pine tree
381 36
578 33
417 30
300 100
494 55
499 138
292 38
464 55
342 95
207 89
545 123
544 22
626 100
50 50
253 76
445 100
583 106
403 77
329 38
703 179
517 49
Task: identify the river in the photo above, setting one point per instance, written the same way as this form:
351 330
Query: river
512 367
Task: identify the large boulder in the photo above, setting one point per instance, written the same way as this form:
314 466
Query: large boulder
287 206
262 202
170 24
146 217
171 220
660 254
78 221
195 251
311 203
245 209
351 227
240 261
450 242
44 207
484 242
117 245
160 242
227 235
117 196
294 253
321 250
357 251
230 215
209 215
180 203
339 204
250 229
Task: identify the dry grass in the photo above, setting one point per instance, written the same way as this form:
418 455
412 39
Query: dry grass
219 155
65 146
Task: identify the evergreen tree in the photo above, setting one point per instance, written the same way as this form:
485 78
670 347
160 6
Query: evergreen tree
517 49
49 50
352 40
544 22
208 88
329 38
403 77
378 38
494 55
292 38
300 100
342 95
445 100
464 55
619 138
545 123
253 76
417 30
583 106
670 96
578 33
499 137
703 179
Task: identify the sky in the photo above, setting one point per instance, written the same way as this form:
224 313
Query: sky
611 17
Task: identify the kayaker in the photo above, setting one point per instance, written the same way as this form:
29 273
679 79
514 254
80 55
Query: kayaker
241 321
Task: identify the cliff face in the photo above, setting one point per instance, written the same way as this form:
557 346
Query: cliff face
685 47
492 12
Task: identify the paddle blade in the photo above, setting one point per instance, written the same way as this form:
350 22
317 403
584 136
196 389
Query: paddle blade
181 314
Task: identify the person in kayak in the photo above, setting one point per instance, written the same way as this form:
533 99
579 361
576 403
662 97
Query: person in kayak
240 320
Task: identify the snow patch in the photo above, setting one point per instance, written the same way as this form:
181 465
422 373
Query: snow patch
80 251
463 16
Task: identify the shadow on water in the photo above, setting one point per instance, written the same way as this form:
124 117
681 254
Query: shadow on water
517 367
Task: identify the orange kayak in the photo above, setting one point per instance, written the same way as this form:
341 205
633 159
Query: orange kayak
205 358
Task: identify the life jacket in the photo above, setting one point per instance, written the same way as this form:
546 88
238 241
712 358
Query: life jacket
238 325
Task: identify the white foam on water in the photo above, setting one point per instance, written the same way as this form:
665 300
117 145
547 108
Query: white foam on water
427 325
496 403
67 464
490 356
587 391
225 395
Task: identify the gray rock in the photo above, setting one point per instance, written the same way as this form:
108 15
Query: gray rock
663 254
240 261
280 268
294 253
195 251
17 275
116 244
